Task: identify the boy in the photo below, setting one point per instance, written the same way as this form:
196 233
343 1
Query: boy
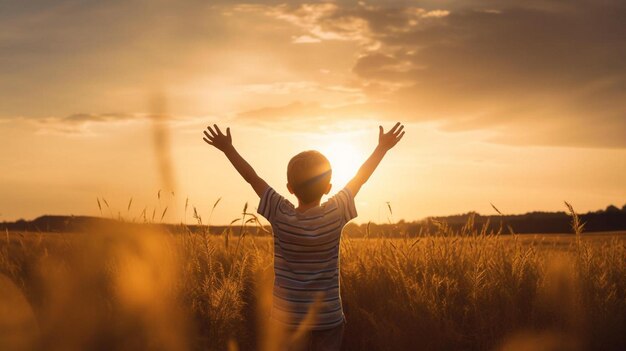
306 237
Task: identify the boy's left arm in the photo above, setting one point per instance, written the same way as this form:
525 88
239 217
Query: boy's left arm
225 144
386 141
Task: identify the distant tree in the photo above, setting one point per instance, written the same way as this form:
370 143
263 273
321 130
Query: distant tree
624 208
612 208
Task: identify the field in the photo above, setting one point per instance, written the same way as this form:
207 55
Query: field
122 288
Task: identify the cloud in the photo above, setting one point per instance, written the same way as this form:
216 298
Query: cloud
534 72
87 124
281 88
549 73
384 67
313 116
59 57
82 118
361 23
305 39
296 110
79 123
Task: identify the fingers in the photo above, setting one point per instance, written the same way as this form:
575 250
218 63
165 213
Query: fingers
217 129
213 134
399 137
399 130
380 131
393 130
207 135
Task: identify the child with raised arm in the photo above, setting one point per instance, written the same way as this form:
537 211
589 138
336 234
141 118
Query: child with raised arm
307 236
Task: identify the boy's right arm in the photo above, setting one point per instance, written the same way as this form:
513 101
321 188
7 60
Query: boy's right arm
224 143
385 142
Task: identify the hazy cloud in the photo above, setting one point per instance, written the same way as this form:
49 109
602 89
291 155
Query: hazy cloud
334 21
79 123
313 116
532 72
285 113
81 118
60 57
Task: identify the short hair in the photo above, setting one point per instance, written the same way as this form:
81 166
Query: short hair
309 174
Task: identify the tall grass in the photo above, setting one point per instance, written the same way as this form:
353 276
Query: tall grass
119 288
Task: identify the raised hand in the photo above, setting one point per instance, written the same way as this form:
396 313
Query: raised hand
385 142
214 136
388 140
217 138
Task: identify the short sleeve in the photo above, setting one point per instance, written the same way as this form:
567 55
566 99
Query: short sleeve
268 204
345 203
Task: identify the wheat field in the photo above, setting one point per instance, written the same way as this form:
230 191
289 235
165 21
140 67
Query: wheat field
121 288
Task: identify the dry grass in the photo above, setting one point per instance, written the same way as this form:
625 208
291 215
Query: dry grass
115 288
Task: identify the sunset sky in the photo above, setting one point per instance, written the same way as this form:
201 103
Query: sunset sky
519 104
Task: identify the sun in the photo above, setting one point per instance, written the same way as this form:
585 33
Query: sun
345 159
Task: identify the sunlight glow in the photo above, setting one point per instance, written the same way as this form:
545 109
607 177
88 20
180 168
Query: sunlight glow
345 159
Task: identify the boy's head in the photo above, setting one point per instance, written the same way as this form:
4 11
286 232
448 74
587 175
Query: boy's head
308 176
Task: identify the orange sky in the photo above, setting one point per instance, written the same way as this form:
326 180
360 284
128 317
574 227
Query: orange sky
520 105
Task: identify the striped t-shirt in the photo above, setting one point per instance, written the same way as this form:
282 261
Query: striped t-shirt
306 258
